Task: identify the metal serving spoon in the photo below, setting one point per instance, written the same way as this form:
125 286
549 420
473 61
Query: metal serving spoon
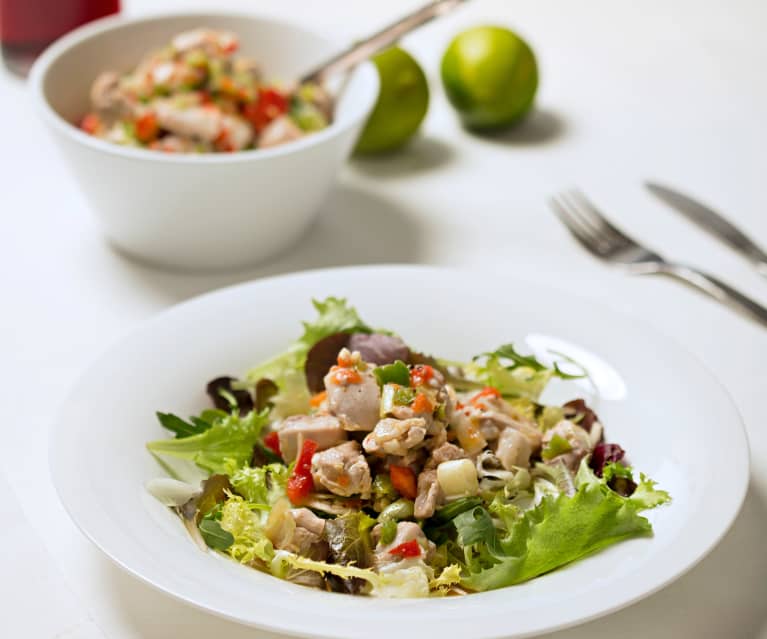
361 51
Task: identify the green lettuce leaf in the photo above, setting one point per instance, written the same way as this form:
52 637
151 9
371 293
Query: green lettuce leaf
647 495
439 526
511 382
194 426
229 440
559 531
556 532
507 513
508 352
214 535
513 374
335 316
287 369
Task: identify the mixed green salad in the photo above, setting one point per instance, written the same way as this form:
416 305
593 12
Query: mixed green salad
354 463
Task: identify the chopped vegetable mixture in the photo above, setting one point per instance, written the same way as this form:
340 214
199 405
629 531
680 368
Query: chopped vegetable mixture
354 463
196 95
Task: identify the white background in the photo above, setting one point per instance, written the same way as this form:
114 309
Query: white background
630 90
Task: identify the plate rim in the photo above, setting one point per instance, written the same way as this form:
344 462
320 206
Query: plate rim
55 462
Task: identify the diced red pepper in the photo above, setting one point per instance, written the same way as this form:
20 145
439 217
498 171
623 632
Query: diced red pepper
147 128
421 374
269 105
316 400
422 404
407 549
403 480
90 123
300 483
224 142
304 462
231 47
344 358
272 441
226 85
486 393
346 376
299 488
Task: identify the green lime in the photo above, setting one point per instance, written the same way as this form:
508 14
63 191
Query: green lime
490 77
402 102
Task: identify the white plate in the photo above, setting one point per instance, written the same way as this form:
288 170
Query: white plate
676 422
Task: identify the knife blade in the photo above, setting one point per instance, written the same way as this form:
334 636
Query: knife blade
711 222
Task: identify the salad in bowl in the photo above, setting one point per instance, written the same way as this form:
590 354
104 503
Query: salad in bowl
197 95
354 463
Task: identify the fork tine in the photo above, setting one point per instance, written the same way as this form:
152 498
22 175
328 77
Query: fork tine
582 233
585 217
584 223
589 209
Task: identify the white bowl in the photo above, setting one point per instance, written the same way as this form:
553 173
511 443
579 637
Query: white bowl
202 211
675 421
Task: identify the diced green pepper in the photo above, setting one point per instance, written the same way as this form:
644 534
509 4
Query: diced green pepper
388 531
557 446
396 373
395 395
400 509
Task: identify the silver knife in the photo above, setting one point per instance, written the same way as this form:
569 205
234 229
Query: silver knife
713 223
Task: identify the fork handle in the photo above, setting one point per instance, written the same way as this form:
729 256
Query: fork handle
716 288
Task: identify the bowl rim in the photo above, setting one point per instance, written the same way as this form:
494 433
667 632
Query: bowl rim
40 69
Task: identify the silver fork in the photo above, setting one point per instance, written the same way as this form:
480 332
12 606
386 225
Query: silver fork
595 233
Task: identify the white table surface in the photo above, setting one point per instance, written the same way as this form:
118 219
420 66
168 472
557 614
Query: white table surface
630 90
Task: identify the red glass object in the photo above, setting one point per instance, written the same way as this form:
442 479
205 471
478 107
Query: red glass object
28 26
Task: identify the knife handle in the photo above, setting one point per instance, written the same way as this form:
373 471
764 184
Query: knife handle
717 289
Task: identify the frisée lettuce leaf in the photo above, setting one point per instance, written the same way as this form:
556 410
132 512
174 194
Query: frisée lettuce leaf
263 485
249 542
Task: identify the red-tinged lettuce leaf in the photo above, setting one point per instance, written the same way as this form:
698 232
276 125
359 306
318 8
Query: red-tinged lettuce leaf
579 412
348 538
374 348
264 390
226 397
321 357
286 370
214 492
605 454
379 349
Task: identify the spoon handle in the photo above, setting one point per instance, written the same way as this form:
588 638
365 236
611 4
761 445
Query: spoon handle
368 47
